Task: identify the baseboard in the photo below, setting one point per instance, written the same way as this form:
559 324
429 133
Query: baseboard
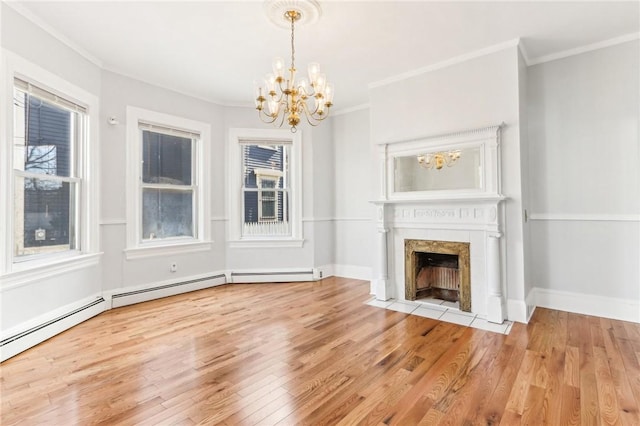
131 295
351 271
29 334
517 311
323 271
271 276
588 304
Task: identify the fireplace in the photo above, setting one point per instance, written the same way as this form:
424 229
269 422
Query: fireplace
427 220
438 269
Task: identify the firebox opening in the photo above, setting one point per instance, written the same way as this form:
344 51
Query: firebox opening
437 276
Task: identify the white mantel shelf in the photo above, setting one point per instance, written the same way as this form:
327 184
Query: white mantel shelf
465 198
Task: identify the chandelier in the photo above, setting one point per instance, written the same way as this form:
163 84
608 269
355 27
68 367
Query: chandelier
284 96
438 160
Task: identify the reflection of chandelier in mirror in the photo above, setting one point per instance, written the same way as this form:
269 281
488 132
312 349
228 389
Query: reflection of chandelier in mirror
437 160
285 97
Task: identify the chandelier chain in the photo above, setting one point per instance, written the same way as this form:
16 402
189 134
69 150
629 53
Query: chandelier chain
293 49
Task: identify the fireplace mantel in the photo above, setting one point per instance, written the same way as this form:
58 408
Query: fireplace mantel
474 216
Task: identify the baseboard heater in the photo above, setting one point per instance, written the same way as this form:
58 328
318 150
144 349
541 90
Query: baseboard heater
142 295
278 276
19 342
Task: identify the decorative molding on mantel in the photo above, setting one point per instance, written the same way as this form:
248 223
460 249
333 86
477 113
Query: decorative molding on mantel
451 137
470 216
463 198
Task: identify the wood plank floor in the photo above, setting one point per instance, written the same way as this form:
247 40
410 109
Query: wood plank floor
314 353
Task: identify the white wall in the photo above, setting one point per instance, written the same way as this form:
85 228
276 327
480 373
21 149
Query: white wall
353 174
118 271
323 160
25 296
524 172
585 178
476 93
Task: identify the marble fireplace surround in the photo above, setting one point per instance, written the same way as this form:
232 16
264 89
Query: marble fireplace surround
475 217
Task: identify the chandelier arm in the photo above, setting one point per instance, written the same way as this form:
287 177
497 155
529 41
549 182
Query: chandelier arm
311 119
282 116
262 114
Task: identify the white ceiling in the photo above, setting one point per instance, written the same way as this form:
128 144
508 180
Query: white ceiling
215 49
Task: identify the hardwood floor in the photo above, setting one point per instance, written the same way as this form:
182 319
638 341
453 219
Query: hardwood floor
314 353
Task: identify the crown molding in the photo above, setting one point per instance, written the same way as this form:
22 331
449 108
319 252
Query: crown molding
584 49
447 63
26 13
524 52
164 87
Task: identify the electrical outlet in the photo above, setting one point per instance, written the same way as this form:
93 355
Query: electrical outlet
173 267
317 273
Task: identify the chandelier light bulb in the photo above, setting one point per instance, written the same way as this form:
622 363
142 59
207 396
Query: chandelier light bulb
278 67
314 72
273 107
270 81
303 87
328 94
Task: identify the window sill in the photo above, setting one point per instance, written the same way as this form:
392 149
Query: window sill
167 249
266 243
27 272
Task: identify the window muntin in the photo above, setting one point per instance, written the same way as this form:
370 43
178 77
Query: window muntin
168 189
48 133
266 189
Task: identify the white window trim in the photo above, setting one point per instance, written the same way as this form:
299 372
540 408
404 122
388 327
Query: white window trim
136 248
14 66
234 199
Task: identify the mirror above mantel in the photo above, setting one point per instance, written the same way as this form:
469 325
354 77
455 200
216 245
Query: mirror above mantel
458 164
459 169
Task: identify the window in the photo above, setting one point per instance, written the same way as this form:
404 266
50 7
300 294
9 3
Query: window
167 202
264 187
48 134
168 187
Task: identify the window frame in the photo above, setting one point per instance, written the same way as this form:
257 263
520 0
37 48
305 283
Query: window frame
200 184
235 195
78 138
86 172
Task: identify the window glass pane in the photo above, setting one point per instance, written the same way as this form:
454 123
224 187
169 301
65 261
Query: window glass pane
44 136
251 206
265 161
166 213
166 159
44 216
268 205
